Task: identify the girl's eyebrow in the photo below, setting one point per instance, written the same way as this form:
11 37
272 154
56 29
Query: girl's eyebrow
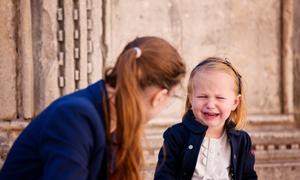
220 95
200 94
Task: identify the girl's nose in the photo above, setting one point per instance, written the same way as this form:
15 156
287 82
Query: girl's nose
210 104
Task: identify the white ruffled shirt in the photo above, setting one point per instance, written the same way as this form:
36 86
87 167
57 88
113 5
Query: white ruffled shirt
213 160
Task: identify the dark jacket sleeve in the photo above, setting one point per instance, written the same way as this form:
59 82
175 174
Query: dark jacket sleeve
67 143
169 157
249 171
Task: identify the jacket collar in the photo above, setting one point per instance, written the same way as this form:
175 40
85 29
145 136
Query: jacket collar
230 128
98 92
190 122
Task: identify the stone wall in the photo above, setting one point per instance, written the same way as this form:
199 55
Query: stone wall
51 48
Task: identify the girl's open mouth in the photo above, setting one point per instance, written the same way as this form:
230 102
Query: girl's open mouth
210 115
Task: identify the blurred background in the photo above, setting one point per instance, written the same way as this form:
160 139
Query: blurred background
51 48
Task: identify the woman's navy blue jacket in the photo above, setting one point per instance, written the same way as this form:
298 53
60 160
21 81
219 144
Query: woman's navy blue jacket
65 141
178 157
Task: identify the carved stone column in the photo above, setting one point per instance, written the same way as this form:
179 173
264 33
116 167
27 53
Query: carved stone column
68 53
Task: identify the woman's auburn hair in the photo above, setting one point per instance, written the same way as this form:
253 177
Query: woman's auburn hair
158 65
214 63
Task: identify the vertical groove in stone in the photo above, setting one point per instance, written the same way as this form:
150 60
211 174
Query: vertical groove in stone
60 46
89 8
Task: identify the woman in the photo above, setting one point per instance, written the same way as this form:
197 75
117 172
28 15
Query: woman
95 133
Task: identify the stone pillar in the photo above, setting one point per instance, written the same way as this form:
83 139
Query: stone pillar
67 47
26 59
45 48
8 60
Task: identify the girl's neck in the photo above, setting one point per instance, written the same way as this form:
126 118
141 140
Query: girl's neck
214 133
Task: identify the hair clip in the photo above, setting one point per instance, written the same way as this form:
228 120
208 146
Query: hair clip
227 61
138 52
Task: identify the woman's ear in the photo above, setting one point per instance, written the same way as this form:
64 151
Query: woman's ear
237 101
158 97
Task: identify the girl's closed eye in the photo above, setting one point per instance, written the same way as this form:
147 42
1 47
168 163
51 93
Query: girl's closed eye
202 96
221 97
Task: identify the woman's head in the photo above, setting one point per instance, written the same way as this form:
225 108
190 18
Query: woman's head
145 72
216 93
157 64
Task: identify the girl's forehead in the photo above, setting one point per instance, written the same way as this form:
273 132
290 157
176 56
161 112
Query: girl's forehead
213 80
213 74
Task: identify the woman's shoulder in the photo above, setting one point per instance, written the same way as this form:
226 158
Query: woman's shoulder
73 103
73 108
82 100
71 114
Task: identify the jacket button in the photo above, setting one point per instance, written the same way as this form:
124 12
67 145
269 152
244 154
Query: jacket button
191 146
234 156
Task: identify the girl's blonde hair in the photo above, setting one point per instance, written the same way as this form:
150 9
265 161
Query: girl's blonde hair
144 62
213 63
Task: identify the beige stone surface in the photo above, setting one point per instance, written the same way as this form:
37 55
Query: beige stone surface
246 32
45 53
8 58
98 45
146 18
9 131
286 171
69 66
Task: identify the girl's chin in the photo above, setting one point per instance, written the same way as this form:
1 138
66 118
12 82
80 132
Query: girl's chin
208 122
211 122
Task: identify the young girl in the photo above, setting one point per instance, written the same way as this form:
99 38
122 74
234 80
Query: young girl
95 133
209 142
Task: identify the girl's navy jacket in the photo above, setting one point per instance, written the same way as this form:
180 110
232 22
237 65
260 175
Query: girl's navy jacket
66 141
178 157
